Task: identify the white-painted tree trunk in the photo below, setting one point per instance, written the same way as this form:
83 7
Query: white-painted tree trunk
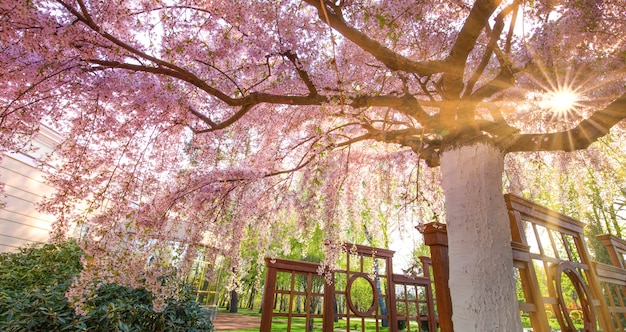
482 284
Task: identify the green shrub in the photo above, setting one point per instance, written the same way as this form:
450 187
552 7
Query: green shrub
33 283
576 316
39 266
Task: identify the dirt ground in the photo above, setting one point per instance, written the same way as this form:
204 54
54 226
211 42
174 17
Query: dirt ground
227 321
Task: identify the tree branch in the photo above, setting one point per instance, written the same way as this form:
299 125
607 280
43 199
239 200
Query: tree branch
466 40
491 47
223 74
180 74
456 61
250 99
389 58
407 104
217 126
89 22
304 76
577 138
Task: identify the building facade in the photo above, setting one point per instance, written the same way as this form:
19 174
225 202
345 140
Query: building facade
20 221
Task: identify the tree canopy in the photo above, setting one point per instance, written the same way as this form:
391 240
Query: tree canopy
188 120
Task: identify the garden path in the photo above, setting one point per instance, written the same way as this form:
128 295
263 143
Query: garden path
225 321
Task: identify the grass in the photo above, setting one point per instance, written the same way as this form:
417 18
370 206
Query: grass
298 323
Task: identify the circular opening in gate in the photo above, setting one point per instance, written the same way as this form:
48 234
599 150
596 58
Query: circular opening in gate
361 295
574 300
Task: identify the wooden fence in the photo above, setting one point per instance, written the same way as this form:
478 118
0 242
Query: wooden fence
557 283
363 294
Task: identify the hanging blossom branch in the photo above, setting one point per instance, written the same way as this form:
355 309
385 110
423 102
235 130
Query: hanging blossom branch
407 104
450 85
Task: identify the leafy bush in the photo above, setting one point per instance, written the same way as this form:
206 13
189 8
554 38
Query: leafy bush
576 316
39 266
33 283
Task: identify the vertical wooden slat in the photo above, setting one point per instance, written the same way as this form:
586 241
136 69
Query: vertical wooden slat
432 321
621 294
291 294
329 306
517 227
566 244
361 269
555 249
391 295
268 299
538 318
528 275
307 301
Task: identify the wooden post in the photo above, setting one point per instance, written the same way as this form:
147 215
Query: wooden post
427 262
267 308
616 248
436 237
328 322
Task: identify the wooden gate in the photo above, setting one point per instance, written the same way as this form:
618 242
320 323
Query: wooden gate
557 281
363 294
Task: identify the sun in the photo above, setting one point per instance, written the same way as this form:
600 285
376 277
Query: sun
561 100
561 92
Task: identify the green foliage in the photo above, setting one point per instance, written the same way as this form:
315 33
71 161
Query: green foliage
40 309
361 294
525 320
39 266
309 250
576 316
33 283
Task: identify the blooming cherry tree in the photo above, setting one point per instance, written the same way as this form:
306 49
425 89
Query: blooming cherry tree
188 121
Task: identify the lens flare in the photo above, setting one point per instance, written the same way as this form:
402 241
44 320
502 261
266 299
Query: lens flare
561 94
562 100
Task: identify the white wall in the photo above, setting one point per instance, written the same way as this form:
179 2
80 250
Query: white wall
20 222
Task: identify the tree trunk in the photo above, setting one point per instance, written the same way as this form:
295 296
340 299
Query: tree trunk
251 298
482 284
234 301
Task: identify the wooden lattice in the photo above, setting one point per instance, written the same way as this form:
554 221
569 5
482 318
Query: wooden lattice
555 274
550 250
613 280
297 296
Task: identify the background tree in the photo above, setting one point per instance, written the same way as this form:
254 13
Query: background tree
288 106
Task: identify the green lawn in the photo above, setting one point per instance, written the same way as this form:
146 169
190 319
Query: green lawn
298 324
